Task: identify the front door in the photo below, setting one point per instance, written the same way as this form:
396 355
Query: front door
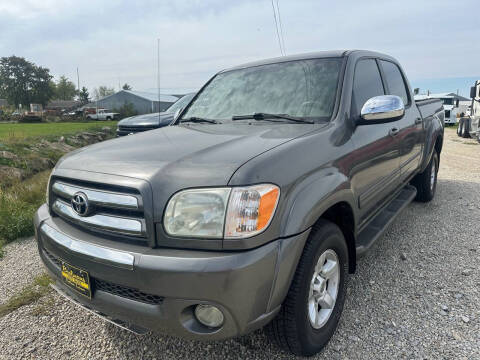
376 172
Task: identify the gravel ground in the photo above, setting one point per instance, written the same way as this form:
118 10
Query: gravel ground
416 295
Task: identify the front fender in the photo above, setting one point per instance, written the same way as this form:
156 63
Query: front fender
313 196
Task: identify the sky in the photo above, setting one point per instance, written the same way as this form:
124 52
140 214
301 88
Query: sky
115 42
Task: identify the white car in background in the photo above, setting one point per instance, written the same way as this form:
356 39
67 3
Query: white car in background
102 115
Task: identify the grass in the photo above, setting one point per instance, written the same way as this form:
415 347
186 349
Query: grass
18 204
22 131
30 294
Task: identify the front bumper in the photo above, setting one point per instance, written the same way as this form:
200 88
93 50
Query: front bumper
247 286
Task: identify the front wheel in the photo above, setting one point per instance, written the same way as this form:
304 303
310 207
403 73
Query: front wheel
310 313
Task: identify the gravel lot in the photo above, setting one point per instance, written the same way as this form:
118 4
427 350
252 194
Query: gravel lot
416 295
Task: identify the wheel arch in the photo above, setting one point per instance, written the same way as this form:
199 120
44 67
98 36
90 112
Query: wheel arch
341 214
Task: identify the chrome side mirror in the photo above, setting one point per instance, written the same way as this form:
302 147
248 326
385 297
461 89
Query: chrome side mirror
382 109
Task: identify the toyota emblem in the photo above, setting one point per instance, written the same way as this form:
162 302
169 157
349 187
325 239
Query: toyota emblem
80 204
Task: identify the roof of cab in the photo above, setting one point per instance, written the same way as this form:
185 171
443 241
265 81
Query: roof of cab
312 55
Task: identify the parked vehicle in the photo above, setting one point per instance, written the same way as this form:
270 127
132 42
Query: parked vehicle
252 208
102 114
470 125
450 106
139 123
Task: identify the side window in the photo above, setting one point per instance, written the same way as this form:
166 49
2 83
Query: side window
394 80
367 83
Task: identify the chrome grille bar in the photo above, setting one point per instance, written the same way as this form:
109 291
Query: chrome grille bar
90 251
97 197
100 221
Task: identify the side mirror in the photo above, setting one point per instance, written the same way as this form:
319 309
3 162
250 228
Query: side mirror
473 92
382 109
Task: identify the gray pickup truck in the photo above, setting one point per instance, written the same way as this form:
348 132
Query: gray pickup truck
250 209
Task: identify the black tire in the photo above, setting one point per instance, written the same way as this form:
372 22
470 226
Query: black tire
460 128
423 181
292 329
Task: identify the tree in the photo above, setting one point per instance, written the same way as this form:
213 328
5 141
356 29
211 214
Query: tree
103 91
126 87
23 82
84 95
65 89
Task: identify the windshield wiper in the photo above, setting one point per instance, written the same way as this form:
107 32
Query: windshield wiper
266 116
196 119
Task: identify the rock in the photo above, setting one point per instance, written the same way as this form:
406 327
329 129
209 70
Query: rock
465 319
458 296
467 272
62 139
445 308
8 173
403 256
40 164
8 155
456 336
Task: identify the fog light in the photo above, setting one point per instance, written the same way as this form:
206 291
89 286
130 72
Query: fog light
209 315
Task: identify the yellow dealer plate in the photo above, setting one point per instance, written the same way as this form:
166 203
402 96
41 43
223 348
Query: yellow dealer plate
77 279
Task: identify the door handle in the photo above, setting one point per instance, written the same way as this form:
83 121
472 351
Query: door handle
393 131
418 121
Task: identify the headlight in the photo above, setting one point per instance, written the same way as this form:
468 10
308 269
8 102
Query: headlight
221 212
197 213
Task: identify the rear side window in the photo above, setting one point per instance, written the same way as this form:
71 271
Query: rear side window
367 83
394 79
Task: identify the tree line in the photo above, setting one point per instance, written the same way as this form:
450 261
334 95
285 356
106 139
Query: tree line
23 82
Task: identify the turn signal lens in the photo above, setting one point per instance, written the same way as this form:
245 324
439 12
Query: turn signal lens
250 210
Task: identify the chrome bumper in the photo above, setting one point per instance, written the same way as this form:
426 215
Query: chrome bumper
92 252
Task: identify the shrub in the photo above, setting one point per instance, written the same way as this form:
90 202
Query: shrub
18 204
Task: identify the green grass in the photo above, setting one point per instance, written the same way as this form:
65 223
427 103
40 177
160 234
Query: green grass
22 131
31 293
18 204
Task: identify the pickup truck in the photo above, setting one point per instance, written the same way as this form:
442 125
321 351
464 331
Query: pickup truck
102 115
252 208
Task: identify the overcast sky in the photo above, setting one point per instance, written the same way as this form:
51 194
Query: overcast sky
115 42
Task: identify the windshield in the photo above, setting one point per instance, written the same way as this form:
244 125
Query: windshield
180 103
301 88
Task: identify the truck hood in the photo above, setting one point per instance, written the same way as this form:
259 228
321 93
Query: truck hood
148 120
189 155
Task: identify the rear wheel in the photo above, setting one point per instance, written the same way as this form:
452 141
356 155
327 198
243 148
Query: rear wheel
426 182
311 311
460 128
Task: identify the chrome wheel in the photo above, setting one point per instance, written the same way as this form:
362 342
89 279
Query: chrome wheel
433 173
323 288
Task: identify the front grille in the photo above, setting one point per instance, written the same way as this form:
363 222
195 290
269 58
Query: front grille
114 211
135 129
53 258
127 292
112 288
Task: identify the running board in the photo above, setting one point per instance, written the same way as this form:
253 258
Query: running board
382 221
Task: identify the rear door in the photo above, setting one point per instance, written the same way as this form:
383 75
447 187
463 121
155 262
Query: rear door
376 173
410 137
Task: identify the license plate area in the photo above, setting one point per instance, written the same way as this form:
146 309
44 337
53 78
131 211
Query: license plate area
76 279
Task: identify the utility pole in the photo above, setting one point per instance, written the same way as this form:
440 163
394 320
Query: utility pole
158 74
78 83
